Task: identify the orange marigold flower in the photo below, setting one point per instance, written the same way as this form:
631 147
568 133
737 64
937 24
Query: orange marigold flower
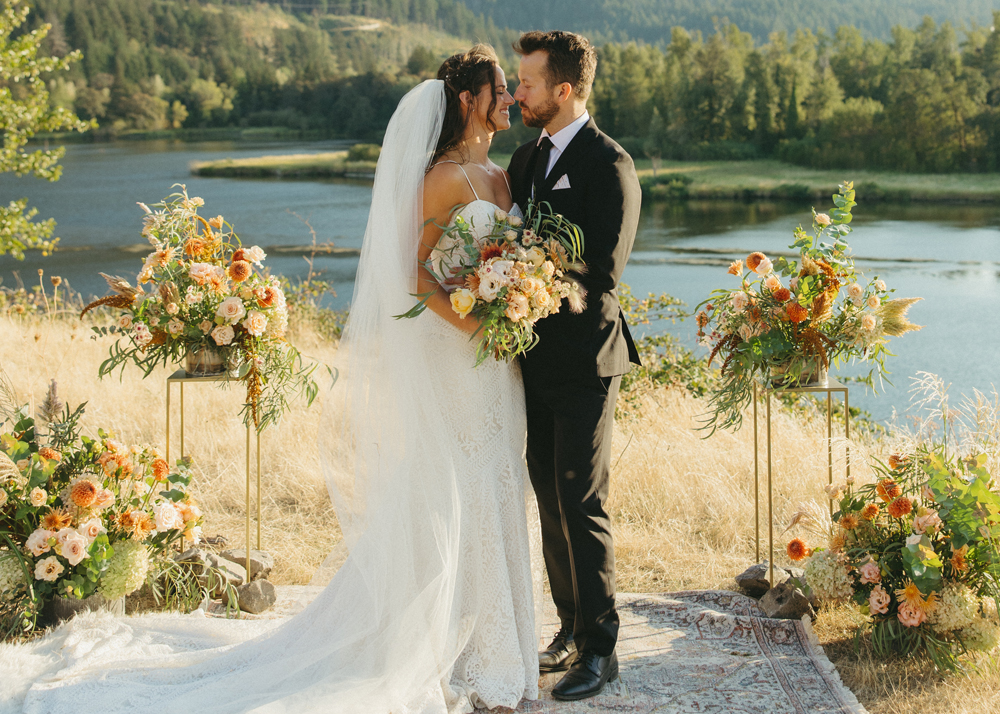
900 507
870 512
897 460
797 549
161 469
958 561
782 294
56 520
849 521
888 490
47 453
754 259
735 268
238 271
796 313
84 493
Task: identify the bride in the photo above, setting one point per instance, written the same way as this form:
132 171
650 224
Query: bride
433 610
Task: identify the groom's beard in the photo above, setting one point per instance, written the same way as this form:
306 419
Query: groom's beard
539 117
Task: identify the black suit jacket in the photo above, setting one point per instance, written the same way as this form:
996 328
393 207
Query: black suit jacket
603 200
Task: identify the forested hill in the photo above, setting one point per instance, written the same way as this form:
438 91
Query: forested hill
652 20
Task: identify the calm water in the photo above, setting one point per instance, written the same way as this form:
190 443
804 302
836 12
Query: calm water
950 255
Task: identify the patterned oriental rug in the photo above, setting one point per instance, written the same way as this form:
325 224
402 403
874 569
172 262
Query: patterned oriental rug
696 652
709 651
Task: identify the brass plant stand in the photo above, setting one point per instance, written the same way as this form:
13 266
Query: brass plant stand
831 386
181 377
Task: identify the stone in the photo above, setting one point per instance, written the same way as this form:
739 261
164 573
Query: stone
192 555
786 602
754 580
232 574
261 562
255 597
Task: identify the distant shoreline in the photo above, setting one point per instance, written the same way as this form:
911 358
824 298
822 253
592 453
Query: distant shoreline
753 180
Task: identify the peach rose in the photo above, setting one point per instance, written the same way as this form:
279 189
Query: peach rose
823 219
91 529
873 301
870 572
772 283
167 517
223 334
517 307
911 615
175 326
74 547
231 310
105 498
255 323
37 497
855 291
124 322
38 542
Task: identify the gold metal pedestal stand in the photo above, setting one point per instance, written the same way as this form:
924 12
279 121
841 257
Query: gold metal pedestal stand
181 377
831 386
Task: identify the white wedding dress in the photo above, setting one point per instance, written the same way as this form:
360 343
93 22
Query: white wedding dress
434 608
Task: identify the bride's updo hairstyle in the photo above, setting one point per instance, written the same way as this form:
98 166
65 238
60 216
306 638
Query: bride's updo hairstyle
465 72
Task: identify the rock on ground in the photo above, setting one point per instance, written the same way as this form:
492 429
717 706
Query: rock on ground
786 602
261 562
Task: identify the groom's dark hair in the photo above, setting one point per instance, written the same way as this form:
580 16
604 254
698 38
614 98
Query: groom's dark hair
571 58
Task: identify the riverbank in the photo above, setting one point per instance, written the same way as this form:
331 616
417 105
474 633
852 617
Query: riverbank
303 166
763 179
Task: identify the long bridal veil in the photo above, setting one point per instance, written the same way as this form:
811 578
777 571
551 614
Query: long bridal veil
386 631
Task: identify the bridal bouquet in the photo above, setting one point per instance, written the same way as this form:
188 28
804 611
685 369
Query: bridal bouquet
919 551
210 305
513 276
83 515
788 320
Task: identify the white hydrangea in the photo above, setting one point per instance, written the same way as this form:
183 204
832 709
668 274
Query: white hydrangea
11 574
955 608
982 634
827 576
127 570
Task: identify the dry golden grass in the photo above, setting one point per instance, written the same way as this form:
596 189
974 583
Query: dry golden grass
682 506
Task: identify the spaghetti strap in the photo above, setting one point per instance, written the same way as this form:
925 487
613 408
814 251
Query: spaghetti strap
449 161
506 182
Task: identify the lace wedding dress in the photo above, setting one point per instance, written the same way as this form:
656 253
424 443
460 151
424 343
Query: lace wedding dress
433 609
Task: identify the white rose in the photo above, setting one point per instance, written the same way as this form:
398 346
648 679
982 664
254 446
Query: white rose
199 272
223 334
48 569
74 547
868 322
535 256
500 214
231 310
514 221
873 301
91 529
880 285
105 498
855 291
739 301
764 267
173 308
462 302
124 322
490 285
541 299
255 323
175 326
37 497
823 219
38 542
255 254
167 517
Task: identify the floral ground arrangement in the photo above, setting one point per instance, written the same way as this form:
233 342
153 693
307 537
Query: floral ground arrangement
918 551
81 515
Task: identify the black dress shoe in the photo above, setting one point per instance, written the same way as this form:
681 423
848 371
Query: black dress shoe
559 655
587 676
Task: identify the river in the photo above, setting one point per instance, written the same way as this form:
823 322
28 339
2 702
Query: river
947 254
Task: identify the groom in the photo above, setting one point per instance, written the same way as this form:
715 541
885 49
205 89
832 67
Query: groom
571 377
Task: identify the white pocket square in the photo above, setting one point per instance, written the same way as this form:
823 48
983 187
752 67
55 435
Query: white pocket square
563 182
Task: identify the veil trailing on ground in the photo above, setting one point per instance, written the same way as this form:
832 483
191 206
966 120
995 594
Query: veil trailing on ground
386 631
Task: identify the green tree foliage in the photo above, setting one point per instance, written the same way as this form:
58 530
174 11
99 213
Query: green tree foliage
924 101
26 109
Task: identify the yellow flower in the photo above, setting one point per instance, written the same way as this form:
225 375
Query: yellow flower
462 302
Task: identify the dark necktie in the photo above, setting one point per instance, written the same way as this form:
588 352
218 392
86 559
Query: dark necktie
541 163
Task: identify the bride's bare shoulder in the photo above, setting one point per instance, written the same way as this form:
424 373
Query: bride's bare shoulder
445 184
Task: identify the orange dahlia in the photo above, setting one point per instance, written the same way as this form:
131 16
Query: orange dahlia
755 259
888 490
490 250
900 507
56 520
849 521
797 549
84 493
782 294
239 270
870 512
897 460
796 313
137 524
161 469
47 453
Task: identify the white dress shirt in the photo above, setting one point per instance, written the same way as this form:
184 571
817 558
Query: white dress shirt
561 139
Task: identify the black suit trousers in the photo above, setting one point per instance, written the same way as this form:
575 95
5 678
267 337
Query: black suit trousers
569 460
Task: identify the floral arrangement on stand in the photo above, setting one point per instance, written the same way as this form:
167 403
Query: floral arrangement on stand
515 275
789 321
82 516
209 305
918 551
